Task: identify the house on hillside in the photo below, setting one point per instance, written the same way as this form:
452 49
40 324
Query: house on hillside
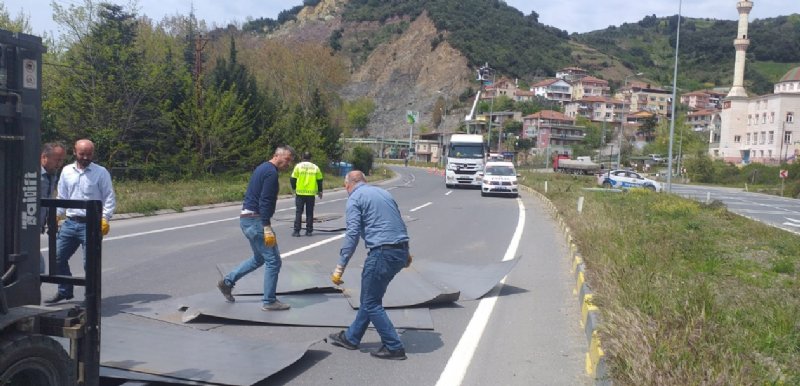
554 90
571 74
639 96
596 109
590 86
552 131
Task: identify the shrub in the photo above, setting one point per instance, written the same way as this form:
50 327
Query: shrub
362 159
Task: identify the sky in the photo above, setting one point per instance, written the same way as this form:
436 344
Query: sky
572 15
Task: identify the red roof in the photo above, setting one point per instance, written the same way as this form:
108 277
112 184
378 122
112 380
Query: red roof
591 79
791 76
545 82
549 114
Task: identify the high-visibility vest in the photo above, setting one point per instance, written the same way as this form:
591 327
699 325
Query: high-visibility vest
306 174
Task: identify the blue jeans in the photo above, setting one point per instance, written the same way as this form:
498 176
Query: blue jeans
379 269
270 258
71 235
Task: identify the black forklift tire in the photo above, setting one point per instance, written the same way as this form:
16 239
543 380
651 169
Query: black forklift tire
35 360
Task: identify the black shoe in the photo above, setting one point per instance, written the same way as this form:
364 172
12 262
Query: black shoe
385 353
227 291
308 233
57 298
340 340
296 234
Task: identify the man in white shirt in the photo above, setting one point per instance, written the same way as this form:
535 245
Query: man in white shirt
82 180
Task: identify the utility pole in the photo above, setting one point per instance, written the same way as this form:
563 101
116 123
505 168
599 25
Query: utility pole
199 44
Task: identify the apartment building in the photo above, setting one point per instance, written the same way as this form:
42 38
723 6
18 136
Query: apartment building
553 89
552 131
590 86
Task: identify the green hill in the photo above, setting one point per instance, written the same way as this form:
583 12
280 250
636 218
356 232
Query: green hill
706 49
519 46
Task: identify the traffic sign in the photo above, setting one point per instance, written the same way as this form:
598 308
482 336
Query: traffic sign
784 173
412 116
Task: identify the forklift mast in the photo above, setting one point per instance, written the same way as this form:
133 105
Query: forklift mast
20 122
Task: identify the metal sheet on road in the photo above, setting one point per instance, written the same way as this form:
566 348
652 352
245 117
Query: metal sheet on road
472 280
409 288
295 276
172 351
319 310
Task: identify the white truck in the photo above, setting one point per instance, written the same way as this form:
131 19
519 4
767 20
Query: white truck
466 156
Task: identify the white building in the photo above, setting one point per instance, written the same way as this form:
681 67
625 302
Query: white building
759 129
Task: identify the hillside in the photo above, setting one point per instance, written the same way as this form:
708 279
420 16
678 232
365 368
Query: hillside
706 50
407 54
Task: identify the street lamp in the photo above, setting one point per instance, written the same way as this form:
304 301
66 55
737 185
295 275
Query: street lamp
622 123
674 90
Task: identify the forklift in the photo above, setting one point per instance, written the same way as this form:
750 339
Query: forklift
32 337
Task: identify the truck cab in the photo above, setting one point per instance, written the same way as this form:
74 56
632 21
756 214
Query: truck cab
466 156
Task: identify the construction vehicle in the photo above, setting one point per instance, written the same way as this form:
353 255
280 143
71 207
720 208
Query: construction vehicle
466 154
580 165
30 353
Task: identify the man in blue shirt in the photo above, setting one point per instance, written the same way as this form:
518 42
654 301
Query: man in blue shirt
372 214
51 159
82 180
255 221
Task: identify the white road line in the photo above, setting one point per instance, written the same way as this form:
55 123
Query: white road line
459 362
420 207
162 230
310 246
448 192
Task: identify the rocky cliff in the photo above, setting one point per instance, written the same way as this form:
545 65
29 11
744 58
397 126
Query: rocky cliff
402 72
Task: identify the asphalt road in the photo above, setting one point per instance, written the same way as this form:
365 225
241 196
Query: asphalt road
780 212
525 332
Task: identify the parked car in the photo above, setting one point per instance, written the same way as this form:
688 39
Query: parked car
625 179
499 177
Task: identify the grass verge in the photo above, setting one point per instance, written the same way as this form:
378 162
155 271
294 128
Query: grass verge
690 294
149 197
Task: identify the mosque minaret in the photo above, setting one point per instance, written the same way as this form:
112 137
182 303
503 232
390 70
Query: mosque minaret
741 43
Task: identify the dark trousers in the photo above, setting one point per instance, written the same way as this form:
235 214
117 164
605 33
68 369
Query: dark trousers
308 203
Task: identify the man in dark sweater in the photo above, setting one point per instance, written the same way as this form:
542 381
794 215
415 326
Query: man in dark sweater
255 221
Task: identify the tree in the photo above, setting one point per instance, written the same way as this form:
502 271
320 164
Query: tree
358 113
19 24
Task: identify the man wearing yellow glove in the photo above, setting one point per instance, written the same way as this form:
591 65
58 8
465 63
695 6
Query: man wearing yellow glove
82 180
372 214
255 220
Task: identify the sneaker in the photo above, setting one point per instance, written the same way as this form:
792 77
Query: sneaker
385 353
227 291
296 234
275 306
308 233
339 340
57 298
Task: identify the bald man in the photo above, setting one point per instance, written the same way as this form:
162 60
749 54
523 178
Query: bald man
372 214
82 180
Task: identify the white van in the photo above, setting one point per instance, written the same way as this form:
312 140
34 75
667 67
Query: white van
499 177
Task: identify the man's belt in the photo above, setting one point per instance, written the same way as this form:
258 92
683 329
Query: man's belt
80 219
403 245
249 215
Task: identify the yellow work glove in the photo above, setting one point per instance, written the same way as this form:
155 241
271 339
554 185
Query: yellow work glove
104 227
336 277
269 237
410 258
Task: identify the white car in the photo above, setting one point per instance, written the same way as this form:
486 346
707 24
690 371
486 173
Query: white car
499 177
626 179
